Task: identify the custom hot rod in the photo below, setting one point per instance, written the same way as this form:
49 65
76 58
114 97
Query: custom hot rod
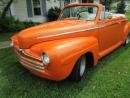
82 35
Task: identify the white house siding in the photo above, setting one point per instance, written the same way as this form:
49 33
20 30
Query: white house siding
19 11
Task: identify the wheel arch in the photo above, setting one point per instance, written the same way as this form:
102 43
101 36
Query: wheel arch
127 30
90 59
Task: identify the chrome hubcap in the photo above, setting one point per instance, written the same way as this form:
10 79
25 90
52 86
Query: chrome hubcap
82 65
128 40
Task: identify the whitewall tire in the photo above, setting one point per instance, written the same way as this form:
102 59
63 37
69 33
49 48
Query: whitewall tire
79 69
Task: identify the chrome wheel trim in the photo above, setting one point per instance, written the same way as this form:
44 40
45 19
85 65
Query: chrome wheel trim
128 40
82 65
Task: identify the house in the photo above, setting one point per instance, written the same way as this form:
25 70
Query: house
36 10
127 6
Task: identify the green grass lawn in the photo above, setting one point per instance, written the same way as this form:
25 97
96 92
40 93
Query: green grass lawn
109 79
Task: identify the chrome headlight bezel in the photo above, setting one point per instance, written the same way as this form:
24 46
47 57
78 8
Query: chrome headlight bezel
45 58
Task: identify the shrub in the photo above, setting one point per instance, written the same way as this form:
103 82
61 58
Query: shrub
9 24
121 7
53 13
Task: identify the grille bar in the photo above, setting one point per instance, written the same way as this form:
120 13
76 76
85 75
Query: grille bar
31 67
29 62
21 51
32 62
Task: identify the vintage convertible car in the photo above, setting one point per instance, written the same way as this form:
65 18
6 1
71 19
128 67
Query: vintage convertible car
82 35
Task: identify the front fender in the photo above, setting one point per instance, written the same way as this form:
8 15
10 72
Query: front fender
71 50
64 53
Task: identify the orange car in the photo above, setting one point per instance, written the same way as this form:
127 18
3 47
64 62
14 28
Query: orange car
82 35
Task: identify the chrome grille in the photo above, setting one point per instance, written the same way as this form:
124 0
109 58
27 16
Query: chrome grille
30 62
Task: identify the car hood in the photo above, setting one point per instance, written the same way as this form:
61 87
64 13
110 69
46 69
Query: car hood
51 31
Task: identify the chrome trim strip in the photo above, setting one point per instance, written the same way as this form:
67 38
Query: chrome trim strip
21 51
31 68
34 63
67 33
76 31
108 25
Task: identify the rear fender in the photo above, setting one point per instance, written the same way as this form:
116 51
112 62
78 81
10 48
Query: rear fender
126 30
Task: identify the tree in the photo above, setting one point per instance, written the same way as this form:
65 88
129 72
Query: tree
53 13
6 5
87 1
90 1
121 7
106 3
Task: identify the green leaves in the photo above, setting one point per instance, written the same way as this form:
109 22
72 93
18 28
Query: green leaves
53 13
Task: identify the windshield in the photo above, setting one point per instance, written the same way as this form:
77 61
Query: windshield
80 12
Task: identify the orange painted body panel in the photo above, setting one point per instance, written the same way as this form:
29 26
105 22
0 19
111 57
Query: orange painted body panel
66 40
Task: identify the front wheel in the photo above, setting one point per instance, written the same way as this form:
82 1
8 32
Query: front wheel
79 69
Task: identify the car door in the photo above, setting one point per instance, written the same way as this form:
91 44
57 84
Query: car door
109 35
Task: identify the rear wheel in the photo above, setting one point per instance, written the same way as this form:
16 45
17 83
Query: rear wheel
79 69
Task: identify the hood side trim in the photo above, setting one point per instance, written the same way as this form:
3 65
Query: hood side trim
67 33
76 31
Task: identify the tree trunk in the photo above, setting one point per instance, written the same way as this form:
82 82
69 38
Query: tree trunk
6 8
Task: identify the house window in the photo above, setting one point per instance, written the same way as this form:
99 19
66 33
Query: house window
36 7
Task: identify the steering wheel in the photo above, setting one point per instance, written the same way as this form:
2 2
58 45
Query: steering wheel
79 14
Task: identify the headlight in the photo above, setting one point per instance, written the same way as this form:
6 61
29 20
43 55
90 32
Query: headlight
45 59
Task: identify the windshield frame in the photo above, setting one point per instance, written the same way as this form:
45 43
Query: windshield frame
80 4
